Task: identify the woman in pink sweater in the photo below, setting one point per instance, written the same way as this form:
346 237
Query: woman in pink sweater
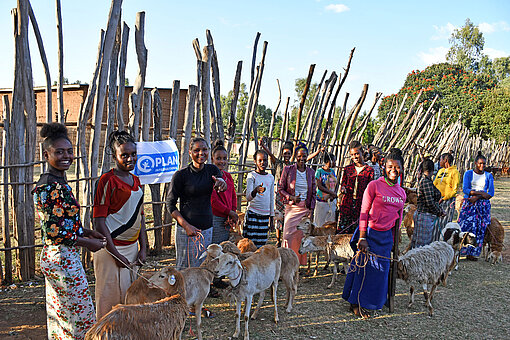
366 288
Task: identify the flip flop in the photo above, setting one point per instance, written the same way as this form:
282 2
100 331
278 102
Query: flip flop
206 313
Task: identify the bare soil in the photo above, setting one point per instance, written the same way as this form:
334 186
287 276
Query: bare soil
474 304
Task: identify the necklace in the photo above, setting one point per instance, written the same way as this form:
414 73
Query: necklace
389 183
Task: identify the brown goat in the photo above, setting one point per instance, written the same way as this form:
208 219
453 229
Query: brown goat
289 274
493 241
408 222
246 245
310 229
139 292
161 320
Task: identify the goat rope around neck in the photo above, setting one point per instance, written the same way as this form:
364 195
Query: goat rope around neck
240 276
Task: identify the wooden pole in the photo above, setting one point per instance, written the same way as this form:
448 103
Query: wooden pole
320 116
60 79
44 60
174 110
215 72
122 77
302 103
6 230
255 100
393 268
253 59
206 94
135 97
309 116
112 100
198 111
285 128
189 114
233 108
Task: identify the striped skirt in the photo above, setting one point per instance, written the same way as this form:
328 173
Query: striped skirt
220 231
256 227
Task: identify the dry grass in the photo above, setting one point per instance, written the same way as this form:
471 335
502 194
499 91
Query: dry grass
474 304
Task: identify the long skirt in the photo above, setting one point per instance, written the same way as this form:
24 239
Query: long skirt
256 227
425 228
69 306
367 286
220 231
475 218
189 249
112 282
324 212
449 208
291 235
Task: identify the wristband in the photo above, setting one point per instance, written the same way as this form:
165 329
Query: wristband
361 239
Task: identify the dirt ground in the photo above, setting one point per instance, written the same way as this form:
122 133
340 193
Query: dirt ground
474 304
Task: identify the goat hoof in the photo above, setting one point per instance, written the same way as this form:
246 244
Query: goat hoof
329 286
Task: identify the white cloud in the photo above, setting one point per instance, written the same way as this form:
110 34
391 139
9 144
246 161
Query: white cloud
443 32
433 55
493 53
487 28
337 8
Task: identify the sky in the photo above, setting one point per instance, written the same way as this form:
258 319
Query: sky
391 39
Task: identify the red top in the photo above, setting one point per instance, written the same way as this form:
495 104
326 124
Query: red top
121 205
223 202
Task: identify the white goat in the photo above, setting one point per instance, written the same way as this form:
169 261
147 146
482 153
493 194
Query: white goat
161 320
429 264
337 247
454 236
254 275
310 229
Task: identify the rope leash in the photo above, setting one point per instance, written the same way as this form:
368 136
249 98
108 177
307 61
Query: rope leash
135 272
198 243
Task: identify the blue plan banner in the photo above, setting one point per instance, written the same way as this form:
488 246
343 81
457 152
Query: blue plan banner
157 161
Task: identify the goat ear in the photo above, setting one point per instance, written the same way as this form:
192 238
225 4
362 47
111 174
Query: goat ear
171 280
204 254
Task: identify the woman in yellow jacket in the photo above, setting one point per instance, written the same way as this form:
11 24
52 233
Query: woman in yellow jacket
448 182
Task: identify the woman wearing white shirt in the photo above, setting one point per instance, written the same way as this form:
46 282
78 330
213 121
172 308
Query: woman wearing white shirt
475 214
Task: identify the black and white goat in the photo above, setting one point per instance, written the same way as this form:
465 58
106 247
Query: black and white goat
454 236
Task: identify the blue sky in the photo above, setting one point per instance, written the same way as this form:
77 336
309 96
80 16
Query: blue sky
391 39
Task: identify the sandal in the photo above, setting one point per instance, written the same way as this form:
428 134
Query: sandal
354 309
365 313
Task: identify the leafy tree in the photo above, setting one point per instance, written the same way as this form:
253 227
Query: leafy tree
466 47
494 119
460 92
501 67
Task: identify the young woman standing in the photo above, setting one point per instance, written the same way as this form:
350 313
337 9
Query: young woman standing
69 306
118 214
224 204
325 179
355 179
366 284
297 186
192 187
475 214
260 197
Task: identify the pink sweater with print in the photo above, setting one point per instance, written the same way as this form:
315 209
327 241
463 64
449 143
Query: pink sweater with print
381 206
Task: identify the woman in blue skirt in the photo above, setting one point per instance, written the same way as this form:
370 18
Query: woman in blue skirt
366 285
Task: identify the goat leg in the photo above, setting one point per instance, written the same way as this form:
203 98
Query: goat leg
238 317
198 315
309 263
317 254
247 315
335 272
274 289
411 296
259 304
429 304
328 261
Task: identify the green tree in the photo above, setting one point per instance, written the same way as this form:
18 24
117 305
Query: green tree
494 119
466 47
460 92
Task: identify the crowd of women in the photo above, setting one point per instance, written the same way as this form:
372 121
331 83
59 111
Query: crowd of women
367 203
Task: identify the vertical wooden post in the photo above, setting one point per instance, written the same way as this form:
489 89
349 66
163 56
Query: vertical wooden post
233 108
5 191
206 94
302 103
174 110
188 124
285 128
60 81
112 99
122 77
215 72
253 59
393 268
135 97
44 60
198 125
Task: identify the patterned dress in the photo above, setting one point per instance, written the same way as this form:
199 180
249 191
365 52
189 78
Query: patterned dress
69 306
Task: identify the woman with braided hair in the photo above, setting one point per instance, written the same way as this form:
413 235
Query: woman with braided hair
118 214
